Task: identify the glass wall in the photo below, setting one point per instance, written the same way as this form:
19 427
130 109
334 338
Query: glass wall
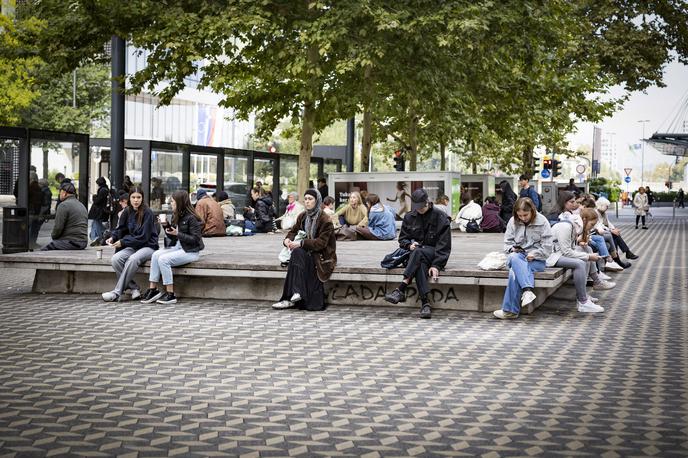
263 171
133 165
236 180
288 168
166 176
203 173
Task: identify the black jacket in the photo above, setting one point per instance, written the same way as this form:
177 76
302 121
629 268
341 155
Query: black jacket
265 214
188 234
98 209
430 229
135 235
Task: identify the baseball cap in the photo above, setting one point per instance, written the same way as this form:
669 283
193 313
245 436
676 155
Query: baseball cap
419 199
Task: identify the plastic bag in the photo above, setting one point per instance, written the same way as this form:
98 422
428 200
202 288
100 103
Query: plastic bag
285 254
495 260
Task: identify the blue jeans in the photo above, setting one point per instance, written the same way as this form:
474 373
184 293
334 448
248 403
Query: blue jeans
163 261
521 275
97 229
597 242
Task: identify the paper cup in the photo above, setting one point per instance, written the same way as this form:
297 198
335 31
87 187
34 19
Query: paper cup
99 254
163 217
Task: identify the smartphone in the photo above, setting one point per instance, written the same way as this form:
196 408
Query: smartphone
166 225
517 249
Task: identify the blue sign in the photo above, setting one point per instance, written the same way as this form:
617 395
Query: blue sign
627 179
545 173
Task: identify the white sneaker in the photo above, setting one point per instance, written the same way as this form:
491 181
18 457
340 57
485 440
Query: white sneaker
502 315
613 266
295 298
589 307
527 297
603 285
110 296
135 294
282 305
603 276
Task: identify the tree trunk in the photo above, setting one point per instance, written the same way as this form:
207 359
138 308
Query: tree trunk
527 168
413 142
443 158
367 140
306 151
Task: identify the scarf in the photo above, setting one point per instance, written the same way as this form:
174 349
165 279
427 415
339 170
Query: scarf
312 215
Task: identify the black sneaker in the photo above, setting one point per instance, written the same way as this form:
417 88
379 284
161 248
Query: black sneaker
630 255
395 296
644 227
151 295
167 298
425 311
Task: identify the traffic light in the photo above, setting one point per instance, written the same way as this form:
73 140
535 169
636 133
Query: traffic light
399 161
556 168
547 164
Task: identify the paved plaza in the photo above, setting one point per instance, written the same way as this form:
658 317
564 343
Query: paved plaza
216 378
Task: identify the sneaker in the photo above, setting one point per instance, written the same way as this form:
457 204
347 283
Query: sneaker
425 311
613 266
295 298
644 227
603 276
603 285
151 295
527 297
630 255
395 296
285 304
589 307
110 296
95 242
135 294
167 298
624 264
504 315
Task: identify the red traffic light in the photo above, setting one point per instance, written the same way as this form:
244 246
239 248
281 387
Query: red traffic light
272 149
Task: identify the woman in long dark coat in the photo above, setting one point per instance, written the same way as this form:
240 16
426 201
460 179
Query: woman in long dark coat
312 259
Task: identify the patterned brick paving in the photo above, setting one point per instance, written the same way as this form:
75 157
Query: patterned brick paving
81 377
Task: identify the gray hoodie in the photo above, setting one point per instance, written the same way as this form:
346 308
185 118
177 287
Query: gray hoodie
535 238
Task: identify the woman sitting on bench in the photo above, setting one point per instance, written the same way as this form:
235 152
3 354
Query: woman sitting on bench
528 244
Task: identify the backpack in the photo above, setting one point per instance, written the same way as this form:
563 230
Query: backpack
397 258
472 226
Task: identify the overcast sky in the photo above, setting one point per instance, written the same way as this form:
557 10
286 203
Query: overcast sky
658 105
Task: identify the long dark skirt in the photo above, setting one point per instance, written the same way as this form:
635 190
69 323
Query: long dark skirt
302 278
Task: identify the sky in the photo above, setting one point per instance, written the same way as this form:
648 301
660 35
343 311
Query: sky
657 105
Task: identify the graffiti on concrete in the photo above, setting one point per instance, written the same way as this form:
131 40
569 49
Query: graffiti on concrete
367 292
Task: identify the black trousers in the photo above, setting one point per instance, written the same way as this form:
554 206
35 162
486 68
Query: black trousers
418 265
620 243
638 218
302 278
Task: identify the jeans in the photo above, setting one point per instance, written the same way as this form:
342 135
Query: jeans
163 261
597 242
97 229
521 275
126 262
581 269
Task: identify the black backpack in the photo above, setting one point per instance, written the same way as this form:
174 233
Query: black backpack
397 258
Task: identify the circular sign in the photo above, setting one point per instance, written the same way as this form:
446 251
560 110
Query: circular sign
545 173
580 168
627 179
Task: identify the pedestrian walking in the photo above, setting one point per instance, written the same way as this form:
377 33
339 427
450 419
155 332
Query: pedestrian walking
680 197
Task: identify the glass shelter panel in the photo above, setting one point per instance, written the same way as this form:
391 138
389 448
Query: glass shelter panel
203 173
236 180
9 172
133 165
54 161
166 176
288 172
263 171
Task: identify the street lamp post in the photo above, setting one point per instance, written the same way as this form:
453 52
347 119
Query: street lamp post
642 158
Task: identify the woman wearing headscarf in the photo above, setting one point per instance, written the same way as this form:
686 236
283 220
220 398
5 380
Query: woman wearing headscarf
312 259
508 200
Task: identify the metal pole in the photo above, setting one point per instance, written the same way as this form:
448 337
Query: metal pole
118 55
74 88
350 139
642 159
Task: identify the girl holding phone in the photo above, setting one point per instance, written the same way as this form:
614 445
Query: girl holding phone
186 242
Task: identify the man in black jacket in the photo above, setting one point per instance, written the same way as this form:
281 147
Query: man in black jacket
425 231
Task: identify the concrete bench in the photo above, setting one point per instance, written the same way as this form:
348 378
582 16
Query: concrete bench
247 268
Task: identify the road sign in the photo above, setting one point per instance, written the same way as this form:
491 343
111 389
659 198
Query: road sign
627 171
545 173
627 179
580 168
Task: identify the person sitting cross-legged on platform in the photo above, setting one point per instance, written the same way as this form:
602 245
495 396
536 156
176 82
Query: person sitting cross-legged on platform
211 215
135 240
70 231
313 259
185 243
528 244
426 232
381 224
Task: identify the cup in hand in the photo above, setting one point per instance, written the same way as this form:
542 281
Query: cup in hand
163 218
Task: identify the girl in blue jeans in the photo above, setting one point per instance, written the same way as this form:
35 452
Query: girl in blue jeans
528 244
185 241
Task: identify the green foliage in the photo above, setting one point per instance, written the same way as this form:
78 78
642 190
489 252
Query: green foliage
669 196
610 188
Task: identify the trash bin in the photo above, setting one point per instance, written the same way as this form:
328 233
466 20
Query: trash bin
15 230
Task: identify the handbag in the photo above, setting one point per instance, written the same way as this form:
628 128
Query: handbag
495 260
395 259
346 233
472 226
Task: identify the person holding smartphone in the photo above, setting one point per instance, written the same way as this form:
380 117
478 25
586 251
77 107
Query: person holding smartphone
186 243
527 244
135 240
